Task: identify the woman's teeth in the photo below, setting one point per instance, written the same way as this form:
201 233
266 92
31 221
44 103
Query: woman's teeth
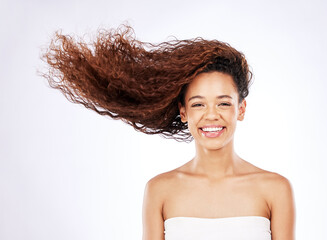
211 129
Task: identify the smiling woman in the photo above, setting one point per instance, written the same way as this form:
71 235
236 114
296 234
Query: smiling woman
212 109
187 90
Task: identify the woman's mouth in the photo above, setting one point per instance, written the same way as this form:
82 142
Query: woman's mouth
212 132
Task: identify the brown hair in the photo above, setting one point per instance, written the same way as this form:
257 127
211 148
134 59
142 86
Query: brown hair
138 82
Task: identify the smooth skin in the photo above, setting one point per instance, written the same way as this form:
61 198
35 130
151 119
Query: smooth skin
217 183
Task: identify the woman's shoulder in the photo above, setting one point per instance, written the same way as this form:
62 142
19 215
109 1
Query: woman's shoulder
158 186
162 179
272 179
274 186
279 194
278 184
165 181
270 183
263 175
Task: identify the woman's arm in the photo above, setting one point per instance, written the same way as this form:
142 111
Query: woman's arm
282 209
153 223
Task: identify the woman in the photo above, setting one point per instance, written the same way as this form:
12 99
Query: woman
189 89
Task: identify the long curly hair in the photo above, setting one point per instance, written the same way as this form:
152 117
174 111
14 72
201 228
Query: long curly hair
138 82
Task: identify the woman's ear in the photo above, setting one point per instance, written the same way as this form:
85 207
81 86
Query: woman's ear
182 112
241 110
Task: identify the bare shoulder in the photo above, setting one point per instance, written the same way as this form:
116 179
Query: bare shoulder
163 178
275 186
280 196
263 176
279 186
161 183
275 182
152 213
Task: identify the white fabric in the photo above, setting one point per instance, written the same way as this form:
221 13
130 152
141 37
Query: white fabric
229 228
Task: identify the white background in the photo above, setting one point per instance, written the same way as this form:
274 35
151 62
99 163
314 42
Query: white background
68 173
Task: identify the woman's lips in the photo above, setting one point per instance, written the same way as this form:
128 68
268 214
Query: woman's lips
212 134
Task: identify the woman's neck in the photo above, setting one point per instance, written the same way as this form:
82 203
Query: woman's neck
215 164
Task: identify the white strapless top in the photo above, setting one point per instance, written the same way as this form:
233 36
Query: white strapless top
229 228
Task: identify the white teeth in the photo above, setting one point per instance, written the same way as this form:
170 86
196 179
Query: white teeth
211 129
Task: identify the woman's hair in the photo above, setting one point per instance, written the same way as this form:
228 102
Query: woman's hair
138 82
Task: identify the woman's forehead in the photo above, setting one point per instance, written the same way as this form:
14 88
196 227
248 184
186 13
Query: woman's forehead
212 83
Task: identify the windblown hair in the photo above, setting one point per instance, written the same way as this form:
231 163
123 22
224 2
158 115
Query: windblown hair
138 82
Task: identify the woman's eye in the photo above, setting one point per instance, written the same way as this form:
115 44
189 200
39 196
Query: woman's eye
197 105
224 104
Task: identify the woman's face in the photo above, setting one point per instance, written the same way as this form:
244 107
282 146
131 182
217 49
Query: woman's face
212 109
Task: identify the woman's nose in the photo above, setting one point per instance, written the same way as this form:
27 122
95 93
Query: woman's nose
212 113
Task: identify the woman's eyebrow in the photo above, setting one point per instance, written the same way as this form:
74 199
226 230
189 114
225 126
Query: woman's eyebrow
201 97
